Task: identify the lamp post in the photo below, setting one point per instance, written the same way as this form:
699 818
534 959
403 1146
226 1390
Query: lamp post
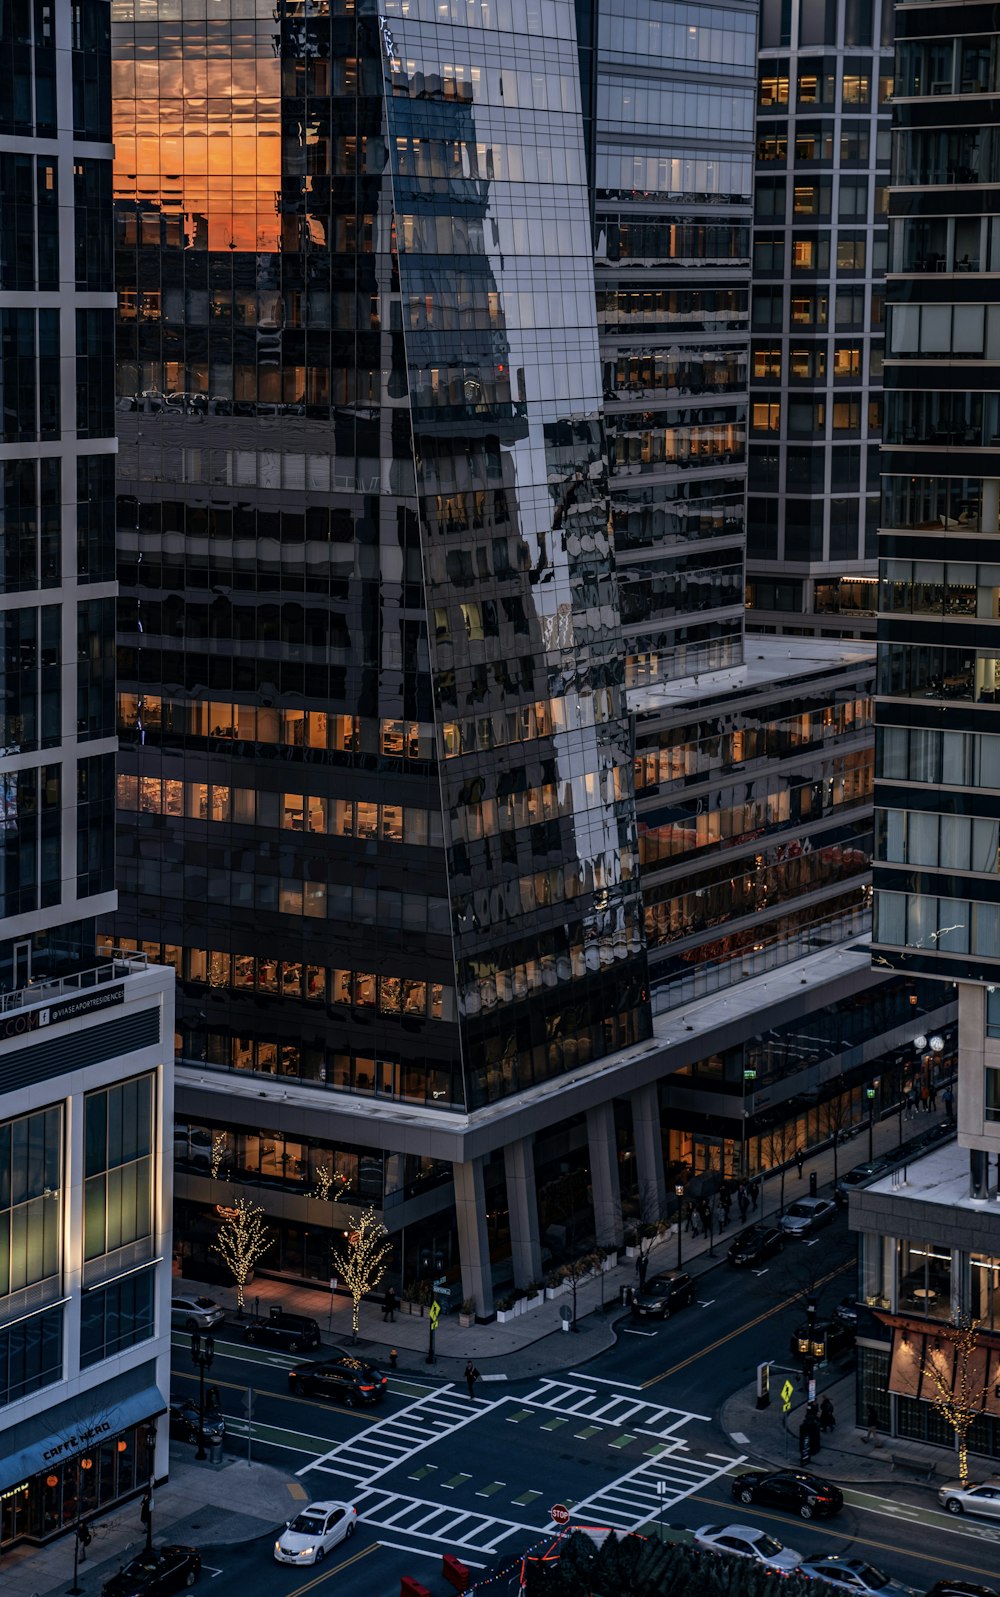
679 1191
870 1094
202 1354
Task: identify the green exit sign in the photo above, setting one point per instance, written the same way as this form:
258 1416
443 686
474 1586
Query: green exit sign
869 1092
749 1075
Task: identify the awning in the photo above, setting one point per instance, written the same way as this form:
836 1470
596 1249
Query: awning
916 1345
65 1430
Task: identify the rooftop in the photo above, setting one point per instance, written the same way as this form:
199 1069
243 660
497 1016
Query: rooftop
769 662
941 1176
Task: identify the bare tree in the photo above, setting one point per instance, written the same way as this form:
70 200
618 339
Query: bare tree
957 1374
361 1262
835 1117
778 1146
243 1239
578 1270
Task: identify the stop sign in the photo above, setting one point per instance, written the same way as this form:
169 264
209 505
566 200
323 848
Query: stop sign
559 1514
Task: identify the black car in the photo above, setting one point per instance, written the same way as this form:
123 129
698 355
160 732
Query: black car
662 1294
792 1489
296 1333
155 1574
752 1247
961 1588
862 1173
184 1422
347 1379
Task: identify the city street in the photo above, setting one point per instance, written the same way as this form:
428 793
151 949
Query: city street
631 1436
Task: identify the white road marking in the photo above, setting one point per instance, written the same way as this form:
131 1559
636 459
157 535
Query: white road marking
598 1380
738 1436
707 1305
424 1552
628 1331
565 1397
635 1497
373 1452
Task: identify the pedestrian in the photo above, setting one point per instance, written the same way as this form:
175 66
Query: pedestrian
933 1094
689 1222
389 1306
805 1436
641 1268
800 1160
925 1098
694 1220
727 1209
948 1099
744 1207
471 1377
827 1418
755 1191
871 1420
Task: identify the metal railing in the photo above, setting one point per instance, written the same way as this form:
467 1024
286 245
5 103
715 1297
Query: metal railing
716 975
47 989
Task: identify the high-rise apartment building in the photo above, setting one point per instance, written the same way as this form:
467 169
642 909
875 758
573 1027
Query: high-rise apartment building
86 1058
936 1254
395 642
819 255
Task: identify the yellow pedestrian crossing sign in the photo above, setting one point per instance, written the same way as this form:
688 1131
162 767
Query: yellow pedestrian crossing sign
787 1393
435 1314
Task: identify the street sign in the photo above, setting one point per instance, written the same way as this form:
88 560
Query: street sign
435 1313
787 1393
559 1514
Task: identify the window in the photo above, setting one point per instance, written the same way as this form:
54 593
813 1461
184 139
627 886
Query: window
766 363
993 1011
846 360
984 1290
773 84
766 416
118 1195
30 1180
117 1316
31 1355
923 1279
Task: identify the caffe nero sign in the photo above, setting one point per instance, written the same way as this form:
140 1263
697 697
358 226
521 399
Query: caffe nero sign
24 1021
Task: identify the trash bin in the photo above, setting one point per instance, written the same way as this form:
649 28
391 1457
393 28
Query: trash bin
812 1183
625 1294
215 1452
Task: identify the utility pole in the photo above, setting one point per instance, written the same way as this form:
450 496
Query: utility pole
202 1354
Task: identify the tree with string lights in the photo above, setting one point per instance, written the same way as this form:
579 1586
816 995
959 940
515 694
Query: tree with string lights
361 1261
243 1239
956 1374
330 1184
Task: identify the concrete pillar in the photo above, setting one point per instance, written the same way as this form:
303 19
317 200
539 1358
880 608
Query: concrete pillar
522 1209
603 1149
473 1240
979 1175
649 1153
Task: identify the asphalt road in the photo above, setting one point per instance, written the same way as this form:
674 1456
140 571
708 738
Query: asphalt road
631 1436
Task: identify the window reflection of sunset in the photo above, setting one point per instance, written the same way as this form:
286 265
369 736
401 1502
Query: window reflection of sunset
202 140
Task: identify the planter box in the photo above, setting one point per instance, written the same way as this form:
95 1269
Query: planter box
631 1253
465 1320
534 1302
503 1315
610 1263
556 1291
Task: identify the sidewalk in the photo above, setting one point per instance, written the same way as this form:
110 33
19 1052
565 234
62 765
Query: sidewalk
534 1343
845 1457
201 1505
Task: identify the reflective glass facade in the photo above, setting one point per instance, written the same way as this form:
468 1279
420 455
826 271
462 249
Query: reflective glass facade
819 259
672 146
937 900
372 668
56 443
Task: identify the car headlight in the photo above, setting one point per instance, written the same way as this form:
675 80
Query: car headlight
307 1552
277 1547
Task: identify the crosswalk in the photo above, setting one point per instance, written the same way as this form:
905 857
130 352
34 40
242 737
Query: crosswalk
652 1488
610 1408
452 1526
379 1448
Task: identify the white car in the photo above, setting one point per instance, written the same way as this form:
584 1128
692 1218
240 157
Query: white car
854 1575
807 1215
746 1542
972 1499
308 1537
188 1312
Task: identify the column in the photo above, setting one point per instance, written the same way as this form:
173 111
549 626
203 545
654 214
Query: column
473 1240
649 1153
979 1175
603 1149
989 509
522 1209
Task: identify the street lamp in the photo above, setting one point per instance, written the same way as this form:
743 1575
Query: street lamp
202 1354
679 1191
870 1094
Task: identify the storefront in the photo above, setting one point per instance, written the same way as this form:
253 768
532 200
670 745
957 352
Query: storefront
79 1459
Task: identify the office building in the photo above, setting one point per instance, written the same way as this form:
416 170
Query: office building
85 1046
931 1245
383 694
819 255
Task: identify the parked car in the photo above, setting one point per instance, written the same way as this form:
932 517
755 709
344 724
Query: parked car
347 1379
853 1574
755 1245
795 1490
662 1294
184 1422
971 1498
747 1542
295 1333
961 1588
807 1215
863 1173
191 1313
308 1537
155 1574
